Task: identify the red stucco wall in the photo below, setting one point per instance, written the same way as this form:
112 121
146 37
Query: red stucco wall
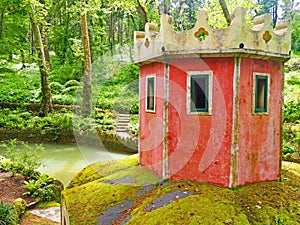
259 135
199 146
151 124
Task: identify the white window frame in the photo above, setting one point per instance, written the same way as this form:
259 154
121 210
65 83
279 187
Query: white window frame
254 109
210 90
150 76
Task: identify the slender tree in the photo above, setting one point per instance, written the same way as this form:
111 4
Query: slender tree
46 105
3 9
87 76
225 11
142 11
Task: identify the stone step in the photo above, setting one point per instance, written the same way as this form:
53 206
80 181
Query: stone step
122 123
120 130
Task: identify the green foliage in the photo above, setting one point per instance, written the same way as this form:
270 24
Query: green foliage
25 159
21 87
105 120
20 119
296 32
7 214
133 126
120 92
84 123
216 16
66 72
291 111
42 189
14 30
287 148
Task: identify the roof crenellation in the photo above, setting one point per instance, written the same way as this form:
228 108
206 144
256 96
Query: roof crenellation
238 38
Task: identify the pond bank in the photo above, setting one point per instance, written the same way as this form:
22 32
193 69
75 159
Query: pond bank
109 141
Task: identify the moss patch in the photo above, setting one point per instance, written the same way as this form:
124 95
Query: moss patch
44 205
102 169
28 218
141 175
89 196
270 202
87 202
187 211
292 167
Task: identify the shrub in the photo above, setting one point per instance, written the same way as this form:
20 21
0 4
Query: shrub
72 83
62 99
288 148
7 214
25 159
56 87
291 111
70 90
125 105
64 73
43 188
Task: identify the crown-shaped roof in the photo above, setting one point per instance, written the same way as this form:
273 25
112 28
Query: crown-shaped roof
260 41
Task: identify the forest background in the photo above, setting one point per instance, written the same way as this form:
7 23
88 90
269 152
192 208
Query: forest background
51 52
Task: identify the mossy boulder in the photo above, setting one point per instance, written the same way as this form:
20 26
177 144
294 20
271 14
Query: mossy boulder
133 191
19 205
96 188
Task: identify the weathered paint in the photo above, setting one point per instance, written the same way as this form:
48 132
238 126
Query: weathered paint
231 146
199 145
165 173
235 124
259 134
151 124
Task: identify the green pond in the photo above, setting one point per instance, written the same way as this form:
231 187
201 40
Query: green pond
65 161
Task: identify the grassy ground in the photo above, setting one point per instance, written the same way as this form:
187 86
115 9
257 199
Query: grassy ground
271 202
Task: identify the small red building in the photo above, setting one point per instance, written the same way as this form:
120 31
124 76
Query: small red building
211 99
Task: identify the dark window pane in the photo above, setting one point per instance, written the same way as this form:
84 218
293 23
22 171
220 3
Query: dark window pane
150 93
261 94
199 93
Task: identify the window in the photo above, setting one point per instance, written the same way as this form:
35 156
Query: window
150 95
199 92
261 93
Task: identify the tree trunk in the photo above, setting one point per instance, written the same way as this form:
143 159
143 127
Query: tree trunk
46 49
142 11
275 13
87 76
225 11
46 105
2 18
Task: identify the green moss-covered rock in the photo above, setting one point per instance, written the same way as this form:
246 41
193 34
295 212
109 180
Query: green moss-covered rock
89 193
19 205
102 169
187 211
93 198
101 186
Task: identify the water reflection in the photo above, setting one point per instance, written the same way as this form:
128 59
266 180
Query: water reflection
64 161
